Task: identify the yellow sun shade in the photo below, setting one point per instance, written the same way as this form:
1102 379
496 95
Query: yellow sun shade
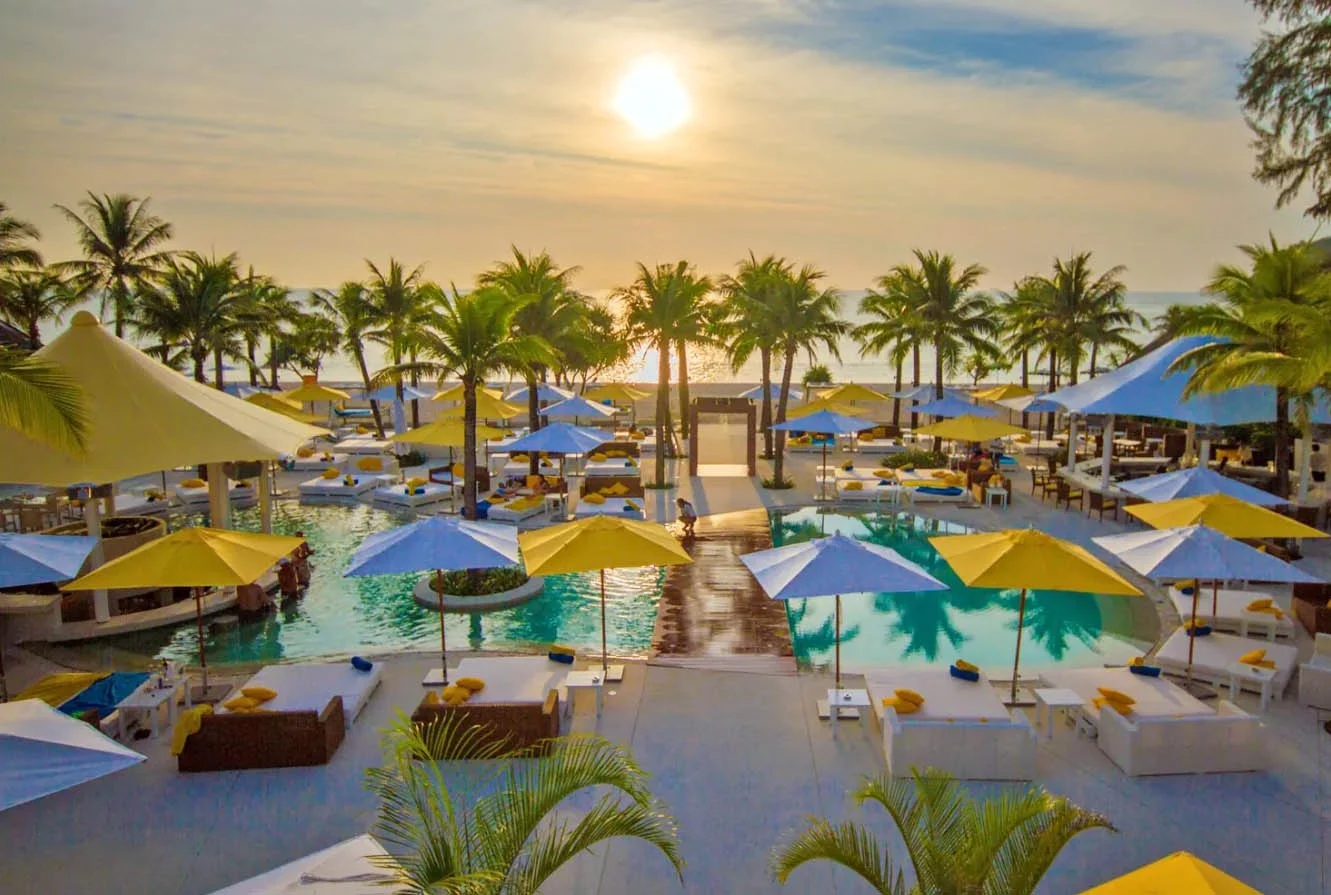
1178 874
454 393
192 557
488 407
615 391
834 406
600 542
447 431
1003 392
312 390
289 409
850 391
1227 515
970 428
1026 558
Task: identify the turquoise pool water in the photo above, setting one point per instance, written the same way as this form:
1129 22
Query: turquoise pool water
975 624
349 615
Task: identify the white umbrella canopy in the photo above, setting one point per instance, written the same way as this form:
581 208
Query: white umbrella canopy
577 406
1195 482
544 392
832 566
38 559
557 438
948 405
389 393
756 393
926 392
1032 404
43 751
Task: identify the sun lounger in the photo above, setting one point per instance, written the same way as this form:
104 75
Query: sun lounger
315 463
308 687
132 503
196 499
516 510
1231 615
1169 731
519 705
320 488
520 469
938 494
880 446
360 445
409 497
963 727
1214 653
869 491
613 506
507 678
616 466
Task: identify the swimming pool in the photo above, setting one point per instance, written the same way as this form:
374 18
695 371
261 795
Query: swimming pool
975 624
349 615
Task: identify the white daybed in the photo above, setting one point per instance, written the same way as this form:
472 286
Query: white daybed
612 466
194 499
613 506
1215 652
134 503
309 686
360 445
506 512
402 495
1230 614
1036 448
1169 731
811 446
880 446
337 489
963 727
520 469
507 678
869 491
951 494
316 462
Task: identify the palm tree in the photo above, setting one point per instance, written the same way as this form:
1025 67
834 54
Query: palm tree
892 328
594 346
122 251
40 401
399 305
694 326
1081 310
195 307
1256 318
28 297
955 844
744 324
352 312
659 306
14 236
807 318
502 831
471 337
266 308
312 338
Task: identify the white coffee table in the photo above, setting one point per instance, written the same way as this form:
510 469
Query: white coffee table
1049 699
583 680
149 700
991 493
1241 671
840 700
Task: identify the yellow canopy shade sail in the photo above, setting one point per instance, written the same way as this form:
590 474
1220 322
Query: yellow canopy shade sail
312 390
1179 874
970 428
815 406
1026 558
143 417
192 557
615 391
488 407
289 409
454 393
1227 515
1003 392
447 432
851 391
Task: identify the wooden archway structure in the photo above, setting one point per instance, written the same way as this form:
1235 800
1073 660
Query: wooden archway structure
730 406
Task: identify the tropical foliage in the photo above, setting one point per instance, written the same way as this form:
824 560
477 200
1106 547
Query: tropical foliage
193 311
31 296
40 401
955 844
502 831
14 238
744 325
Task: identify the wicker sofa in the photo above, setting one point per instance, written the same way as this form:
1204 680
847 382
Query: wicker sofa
233 742
515 725
1311 609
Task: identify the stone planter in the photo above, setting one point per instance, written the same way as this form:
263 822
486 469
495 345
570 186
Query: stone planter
504 599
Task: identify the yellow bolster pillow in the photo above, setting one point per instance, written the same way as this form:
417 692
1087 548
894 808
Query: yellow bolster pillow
259 694
854 486
1116 696
331 472
594 498
560 649
431 697
240 704
883 473
910 696
370 464
619 489
471 684
598 456
963 665
416 482
454 692
1253 657
305 452
902 706
194 483
1123 708
1255 605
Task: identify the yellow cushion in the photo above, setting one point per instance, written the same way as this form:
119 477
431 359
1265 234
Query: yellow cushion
963 665
902 706
431 697
473 684
637 436
939 474
416 481
259 694
194 483
331 472
598 456
240 703
1116 696
909 696
607 491
370 464
305 452
552 480
1264 603
594 497
854 486
533 481
455 690
456 697
883 473
1123 708
1253 657
619 489
848 465
1182 584
562 650
362 429
984 466
458 468
630 505
521 458
189 722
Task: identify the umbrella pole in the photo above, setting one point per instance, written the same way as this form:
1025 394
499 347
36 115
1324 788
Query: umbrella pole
1192 634
605 660
822 475
443 637
4 685
1215 597
1016 662
198 623
837 677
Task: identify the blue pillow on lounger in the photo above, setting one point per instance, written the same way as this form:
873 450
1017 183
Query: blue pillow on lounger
887 482
962 674
1199 630
563 658
1145 670
483 509
941 492
361 664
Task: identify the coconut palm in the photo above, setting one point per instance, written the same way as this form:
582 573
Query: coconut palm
471 337
745 326
953 317
195 307
1081 313
31 296
694 326
595 346
266 308
892 329
350 308
14 237
312 338
397 304
502 831
807 317
39 400
955 844
122 250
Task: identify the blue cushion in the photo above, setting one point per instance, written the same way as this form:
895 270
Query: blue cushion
1145 670
908 469
963 675
562 658
948 492
1200 630
886 482
1187 591
361 664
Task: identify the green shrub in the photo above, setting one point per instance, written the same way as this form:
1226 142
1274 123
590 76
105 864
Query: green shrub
411 458
924 459
478 582
783 485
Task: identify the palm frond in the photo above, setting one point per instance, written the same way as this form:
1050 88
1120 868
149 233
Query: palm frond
42 402
847 844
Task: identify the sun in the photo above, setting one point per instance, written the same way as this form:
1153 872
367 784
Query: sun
651 98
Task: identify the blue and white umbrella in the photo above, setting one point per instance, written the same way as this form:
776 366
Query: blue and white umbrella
40 559
925 392
557 438
389 393
544 392
832 566
825 422
1032 404
432 544
575 407
1196 482
949 405
756 393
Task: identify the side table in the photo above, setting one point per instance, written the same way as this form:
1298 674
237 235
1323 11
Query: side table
583 680
1049 699
1240 672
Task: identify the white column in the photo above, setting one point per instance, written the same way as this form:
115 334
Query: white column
1204 453
92 517
265 497
1107 438
219 502
1072 442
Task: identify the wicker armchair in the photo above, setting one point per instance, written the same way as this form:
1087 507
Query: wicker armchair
515 725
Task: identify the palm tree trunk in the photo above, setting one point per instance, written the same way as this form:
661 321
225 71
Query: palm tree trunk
34 332
1282 442
120 305
365 378
914 381
533 420
662 407
938 386
779 465
468 447
683 392
415 402
1053 386
1025 383
765 417
199 361
896 402
251 349
218 382
272 361
1095 350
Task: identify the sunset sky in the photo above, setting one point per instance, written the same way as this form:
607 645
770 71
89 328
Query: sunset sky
308 137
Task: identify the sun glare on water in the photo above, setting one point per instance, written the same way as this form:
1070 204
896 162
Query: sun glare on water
651 98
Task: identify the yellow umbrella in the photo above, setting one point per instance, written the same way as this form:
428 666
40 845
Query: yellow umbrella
289 409
615 391
970 428
447 431
1227 515
815 406
851 391
1178 874
1030 560
193 557
142 417
488 407
597 543
312 390
454 393
1003 392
